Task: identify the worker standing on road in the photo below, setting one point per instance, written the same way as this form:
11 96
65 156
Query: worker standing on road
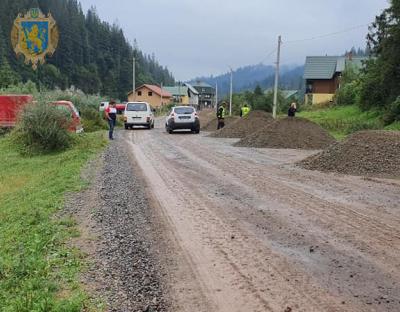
245 110
111 116
292 110
221 115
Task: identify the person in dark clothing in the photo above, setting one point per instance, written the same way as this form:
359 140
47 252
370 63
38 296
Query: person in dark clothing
111 116
292 110
221 116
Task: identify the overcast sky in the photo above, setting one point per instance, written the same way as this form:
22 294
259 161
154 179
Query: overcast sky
196 38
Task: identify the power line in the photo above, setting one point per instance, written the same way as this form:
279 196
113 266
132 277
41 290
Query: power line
268 55
327 35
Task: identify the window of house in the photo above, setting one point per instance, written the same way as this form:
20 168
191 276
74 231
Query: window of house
139 93
150 93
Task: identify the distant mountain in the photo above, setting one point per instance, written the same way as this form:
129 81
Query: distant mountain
289 80
248 77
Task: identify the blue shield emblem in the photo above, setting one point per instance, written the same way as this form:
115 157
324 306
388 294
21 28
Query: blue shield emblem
35 36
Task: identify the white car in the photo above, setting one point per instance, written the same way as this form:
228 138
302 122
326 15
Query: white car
182 117
138 114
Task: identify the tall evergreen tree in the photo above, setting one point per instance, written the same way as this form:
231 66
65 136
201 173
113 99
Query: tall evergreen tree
92 55
381 79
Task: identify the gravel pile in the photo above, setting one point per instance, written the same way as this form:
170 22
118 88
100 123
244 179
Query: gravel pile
205 116
244 126
125 269
297 133
213 123
369 153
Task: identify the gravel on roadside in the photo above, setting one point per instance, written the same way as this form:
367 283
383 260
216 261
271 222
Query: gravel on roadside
125 269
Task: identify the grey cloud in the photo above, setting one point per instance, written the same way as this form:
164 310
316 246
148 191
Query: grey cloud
205 37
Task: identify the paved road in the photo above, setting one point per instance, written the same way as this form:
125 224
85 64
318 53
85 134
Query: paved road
252 232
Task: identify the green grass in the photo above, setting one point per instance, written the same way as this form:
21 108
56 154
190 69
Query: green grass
343 120
394 126
38 271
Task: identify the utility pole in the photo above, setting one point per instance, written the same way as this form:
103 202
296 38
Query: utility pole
230 97
134 79
278 59
161 104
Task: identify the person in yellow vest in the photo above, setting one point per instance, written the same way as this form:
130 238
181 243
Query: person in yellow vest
245 110
221 115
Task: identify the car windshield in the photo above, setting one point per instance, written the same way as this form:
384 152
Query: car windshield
184 110
137 107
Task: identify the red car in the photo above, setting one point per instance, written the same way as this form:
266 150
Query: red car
75 125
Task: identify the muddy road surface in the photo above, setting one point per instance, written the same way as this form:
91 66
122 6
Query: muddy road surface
253 232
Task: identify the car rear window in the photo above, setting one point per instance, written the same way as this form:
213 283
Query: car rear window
136 107
184 110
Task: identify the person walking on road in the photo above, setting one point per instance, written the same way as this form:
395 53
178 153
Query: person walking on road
292 110
221 116
245 110
111 115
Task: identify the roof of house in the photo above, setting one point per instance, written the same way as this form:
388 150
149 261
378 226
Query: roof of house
325 67
177 90
201 84
286 93
320 67
192 89
289 93
156 89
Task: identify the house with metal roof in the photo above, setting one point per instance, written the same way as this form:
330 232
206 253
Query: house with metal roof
206 94
323 73
184 94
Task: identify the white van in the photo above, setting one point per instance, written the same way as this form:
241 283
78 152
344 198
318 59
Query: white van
138 114
103 106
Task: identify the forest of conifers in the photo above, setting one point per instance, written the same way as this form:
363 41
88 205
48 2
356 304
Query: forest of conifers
92 55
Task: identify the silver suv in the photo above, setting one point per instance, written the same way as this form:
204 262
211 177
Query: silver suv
182 117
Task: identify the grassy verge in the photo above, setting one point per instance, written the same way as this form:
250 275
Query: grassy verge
38 272
394 126
343 120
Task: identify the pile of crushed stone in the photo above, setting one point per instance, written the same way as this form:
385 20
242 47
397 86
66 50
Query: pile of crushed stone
289 132
365 153
242 127
206 115
213 123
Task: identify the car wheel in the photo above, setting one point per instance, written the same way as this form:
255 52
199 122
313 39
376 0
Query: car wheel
126 127
170 131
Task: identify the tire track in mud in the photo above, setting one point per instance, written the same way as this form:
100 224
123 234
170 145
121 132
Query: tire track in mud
279 190
190 158
243 256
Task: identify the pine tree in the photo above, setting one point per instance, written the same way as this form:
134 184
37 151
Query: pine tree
381 79
92 55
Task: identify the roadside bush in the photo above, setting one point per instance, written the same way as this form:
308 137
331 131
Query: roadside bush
348 94
92 119
393 112
40 129
164 110
22 88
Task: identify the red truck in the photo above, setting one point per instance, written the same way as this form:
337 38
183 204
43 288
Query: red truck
11 105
